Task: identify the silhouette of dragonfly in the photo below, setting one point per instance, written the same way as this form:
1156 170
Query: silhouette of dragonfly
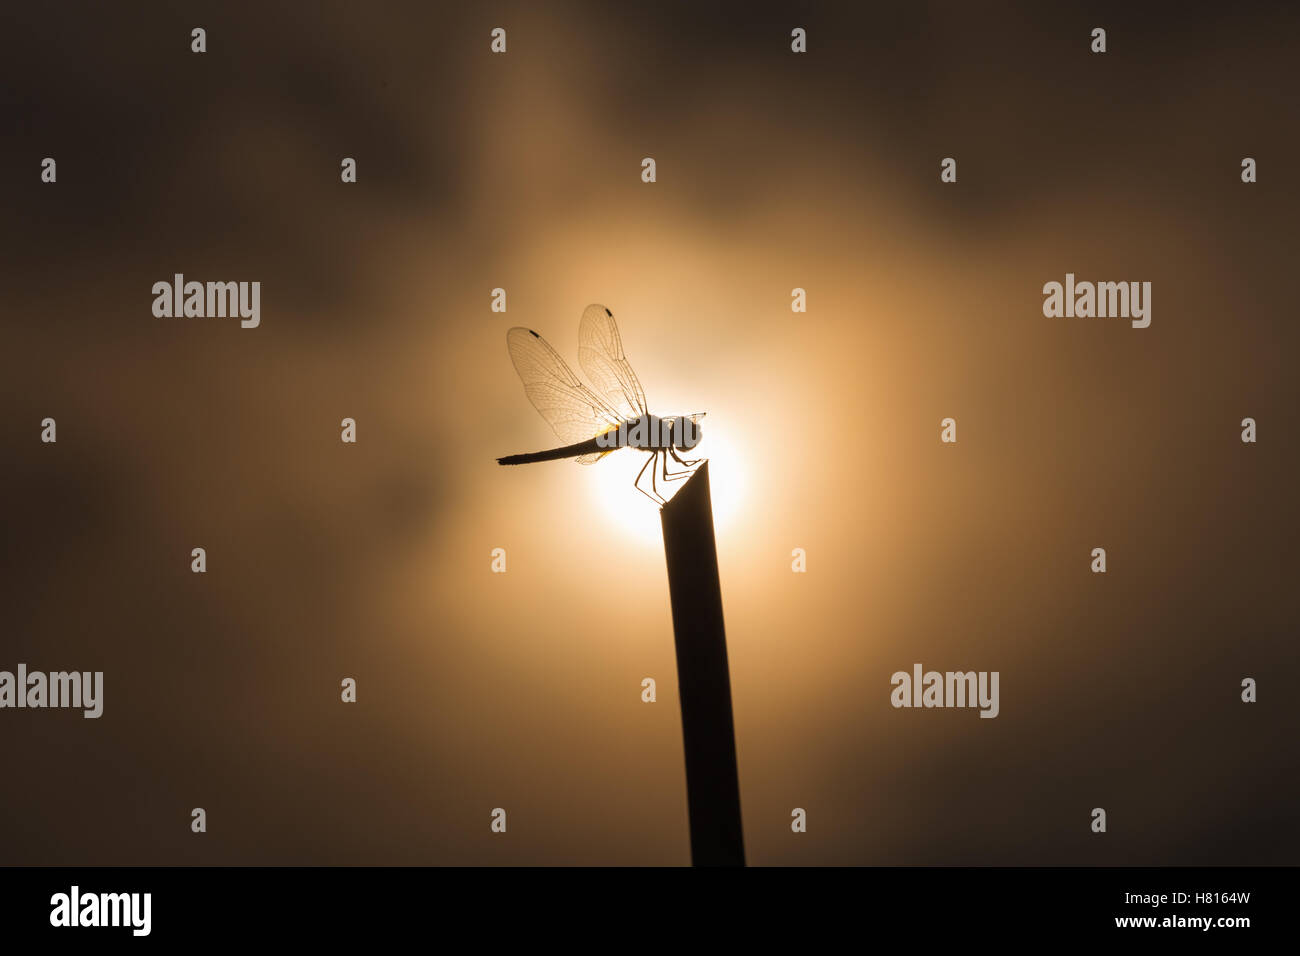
600 420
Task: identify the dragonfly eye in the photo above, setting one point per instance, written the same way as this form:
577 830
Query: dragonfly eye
687 433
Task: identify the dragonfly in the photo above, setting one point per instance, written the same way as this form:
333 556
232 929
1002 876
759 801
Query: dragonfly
612 414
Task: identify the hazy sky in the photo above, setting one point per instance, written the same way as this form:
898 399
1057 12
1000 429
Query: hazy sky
522 690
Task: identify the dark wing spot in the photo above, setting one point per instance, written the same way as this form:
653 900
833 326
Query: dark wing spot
609 313
533 334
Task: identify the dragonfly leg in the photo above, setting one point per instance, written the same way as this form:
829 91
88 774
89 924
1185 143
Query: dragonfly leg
674 475
654 460
678 475
637 484
682 461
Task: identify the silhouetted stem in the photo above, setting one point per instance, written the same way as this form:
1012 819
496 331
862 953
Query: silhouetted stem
703 681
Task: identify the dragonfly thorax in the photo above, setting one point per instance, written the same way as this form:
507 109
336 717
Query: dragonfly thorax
651 433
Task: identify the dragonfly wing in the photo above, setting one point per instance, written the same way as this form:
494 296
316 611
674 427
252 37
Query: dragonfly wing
600 353
573 411
593 457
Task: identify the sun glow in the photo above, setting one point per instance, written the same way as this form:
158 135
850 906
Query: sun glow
638 516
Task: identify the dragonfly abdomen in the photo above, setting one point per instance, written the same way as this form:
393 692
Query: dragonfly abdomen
588 447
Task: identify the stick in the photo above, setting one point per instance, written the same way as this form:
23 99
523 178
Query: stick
704 685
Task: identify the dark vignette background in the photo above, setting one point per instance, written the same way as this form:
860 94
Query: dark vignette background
775 171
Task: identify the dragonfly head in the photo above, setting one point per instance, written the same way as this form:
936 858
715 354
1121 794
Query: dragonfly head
687 431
